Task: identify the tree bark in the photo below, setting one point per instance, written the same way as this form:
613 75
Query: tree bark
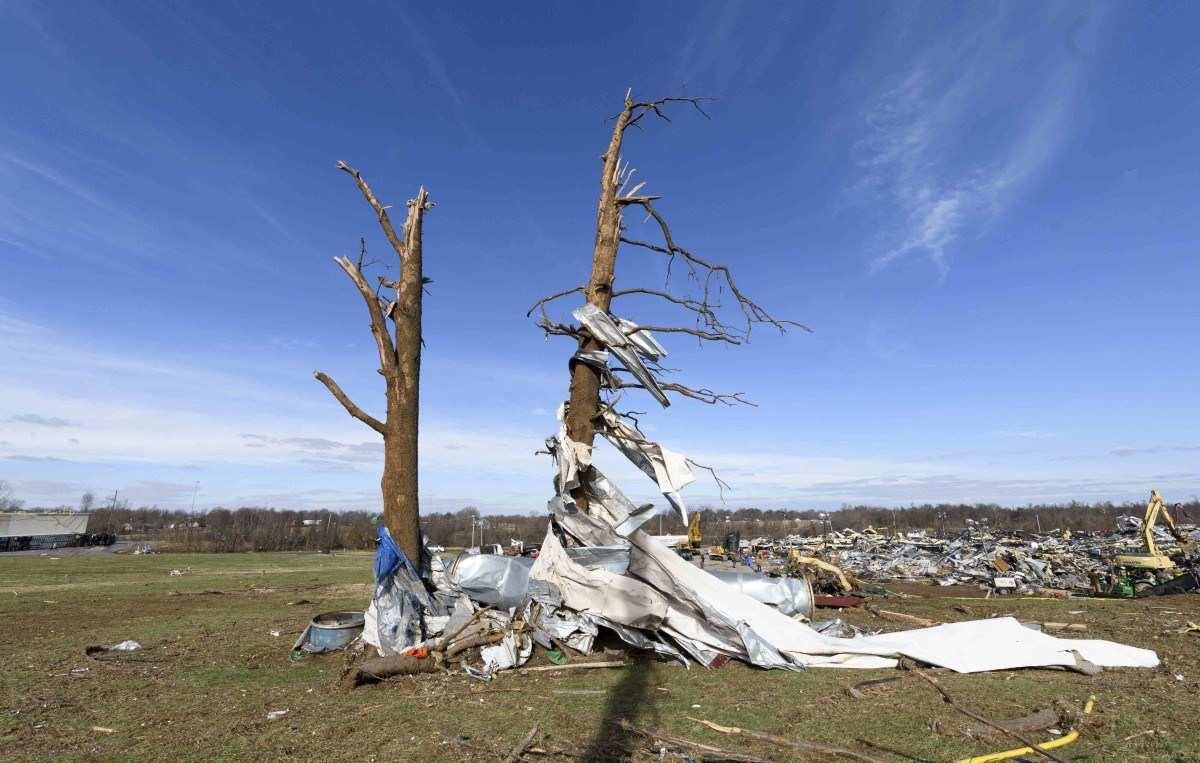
584 403
399 364
401 504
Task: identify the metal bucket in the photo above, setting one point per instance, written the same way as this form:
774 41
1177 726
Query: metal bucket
331 631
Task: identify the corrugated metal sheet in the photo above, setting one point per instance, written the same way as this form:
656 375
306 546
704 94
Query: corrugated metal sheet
22 523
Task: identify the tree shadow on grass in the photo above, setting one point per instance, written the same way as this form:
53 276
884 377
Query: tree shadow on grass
629 700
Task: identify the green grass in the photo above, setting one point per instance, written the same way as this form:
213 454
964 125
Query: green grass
212 670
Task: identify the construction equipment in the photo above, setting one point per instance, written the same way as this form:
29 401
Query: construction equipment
731 551
694 538
1153 558
687 546
1152 572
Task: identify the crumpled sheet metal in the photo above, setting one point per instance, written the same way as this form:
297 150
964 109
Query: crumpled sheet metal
707 620
597 591
966 647
668 599
614 558
791 596
501 581
629 349
515 649
669 470
550 621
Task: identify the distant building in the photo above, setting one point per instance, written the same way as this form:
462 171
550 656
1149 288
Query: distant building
28 530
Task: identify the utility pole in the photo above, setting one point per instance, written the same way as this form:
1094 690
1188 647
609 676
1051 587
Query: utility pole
113 506
195 489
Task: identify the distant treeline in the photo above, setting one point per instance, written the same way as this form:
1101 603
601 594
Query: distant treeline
244 529
262 529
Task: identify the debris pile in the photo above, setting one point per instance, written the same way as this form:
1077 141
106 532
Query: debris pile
1004 562
597 569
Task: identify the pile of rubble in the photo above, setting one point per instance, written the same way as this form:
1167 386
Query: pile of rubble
1025 562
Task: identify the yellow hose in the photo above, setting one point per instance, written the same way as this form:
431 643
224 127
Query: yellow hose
1053 744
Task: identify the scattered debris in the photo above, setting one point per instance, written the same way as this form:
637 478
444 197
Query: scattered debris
597 568
580 692
523 745
96 652
1038 721
274 715
900 617
577 666
1014 733
1042 748
804 747
704 751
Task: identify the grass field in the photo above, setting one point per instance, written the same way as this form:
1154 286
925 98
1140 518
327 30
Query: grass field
212 670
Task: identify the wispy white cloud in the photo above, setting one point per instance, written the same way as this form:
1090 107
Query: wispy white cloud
1024 434
948 173
1154 450
54 422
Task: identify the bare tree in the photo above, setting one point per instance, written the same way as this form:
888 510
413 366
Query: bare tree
7 501
394 307
87 501
710 282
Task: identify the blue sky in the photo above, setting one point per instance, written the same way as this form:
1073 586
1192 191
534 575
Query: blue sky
986 212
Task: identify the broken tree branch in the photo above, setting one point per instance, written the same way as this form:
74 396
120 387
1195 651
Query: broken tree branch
638 109
704 312
385 222
379 329
808 747
707 751
552 297
722 485
707 336
575 666
348 404
702 394
523 745
751 310
971 714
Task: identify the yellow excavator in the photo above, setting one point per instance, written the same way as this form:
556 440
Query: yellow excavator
694 539
690 546
1153 558
1152 571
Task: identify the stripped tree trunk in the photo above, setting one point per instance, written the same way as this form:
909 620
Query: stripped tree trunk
399 363
710 280
584 402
